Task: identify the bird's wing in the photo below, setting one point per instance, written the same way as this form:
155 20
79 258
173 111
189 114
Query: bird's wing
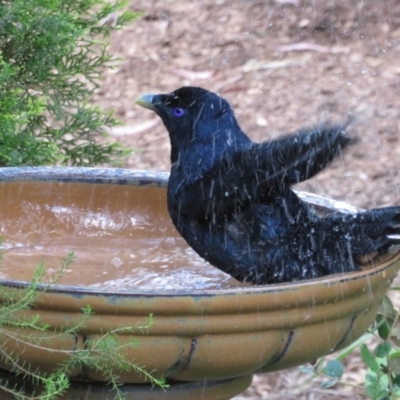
295 158
269 167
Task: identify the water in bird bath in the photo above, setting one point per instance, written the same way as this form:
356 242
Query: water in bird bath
152 264
122 238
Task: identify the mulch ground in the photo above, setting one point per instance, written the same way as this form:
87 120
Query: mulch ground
283 65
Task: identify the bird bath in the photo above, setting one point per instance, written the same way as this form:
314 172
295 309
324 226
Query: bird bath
210 333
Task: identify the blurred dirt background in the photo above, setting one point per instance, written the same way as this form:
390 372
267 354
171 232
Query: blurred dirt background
283 64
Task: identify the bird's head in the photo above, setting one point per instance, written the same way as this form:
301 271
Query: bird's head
195 117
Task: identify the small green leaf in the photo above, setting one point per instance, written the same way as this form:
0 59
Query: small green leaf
370 360
306 369
394 363
384 326
328 384
376 392
387 309
396 383
383 349
334 369
371 377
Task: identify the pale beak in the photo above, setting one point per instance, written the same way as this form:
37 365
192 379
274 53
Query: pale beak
146 101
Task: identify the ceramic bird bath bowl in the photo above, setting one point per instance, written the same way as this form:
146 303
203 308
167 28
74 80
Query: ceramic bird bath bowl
210 333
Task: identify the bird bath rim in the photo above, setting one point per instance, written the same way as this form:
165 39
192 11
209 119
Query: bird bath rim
160 179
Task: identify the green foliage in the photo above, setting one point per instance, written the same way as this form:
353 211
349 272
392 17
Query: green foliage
382 378
104 354
334 369
52 55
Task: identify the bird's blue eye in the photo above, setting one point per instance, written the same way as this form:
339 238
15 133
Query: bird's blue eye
178 112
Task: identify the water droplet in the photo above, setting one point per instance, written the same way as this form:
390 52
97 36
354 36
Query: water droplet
116 262
170 241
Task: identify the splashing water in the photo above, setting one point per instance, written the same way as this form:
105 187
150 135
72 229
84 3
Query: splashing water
116 263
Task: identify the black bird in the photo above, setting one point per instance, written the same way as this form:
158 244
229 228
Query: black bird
231 198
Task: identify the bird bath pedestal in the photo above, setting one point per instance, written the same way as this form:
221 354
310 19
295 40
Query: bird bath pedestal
206 341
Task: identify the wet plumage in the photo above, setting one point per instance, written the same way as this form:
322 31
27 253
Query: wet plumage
231 198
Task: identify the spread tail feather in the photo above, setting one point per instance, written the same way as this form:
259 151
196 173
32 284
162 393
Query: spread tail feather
381 228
